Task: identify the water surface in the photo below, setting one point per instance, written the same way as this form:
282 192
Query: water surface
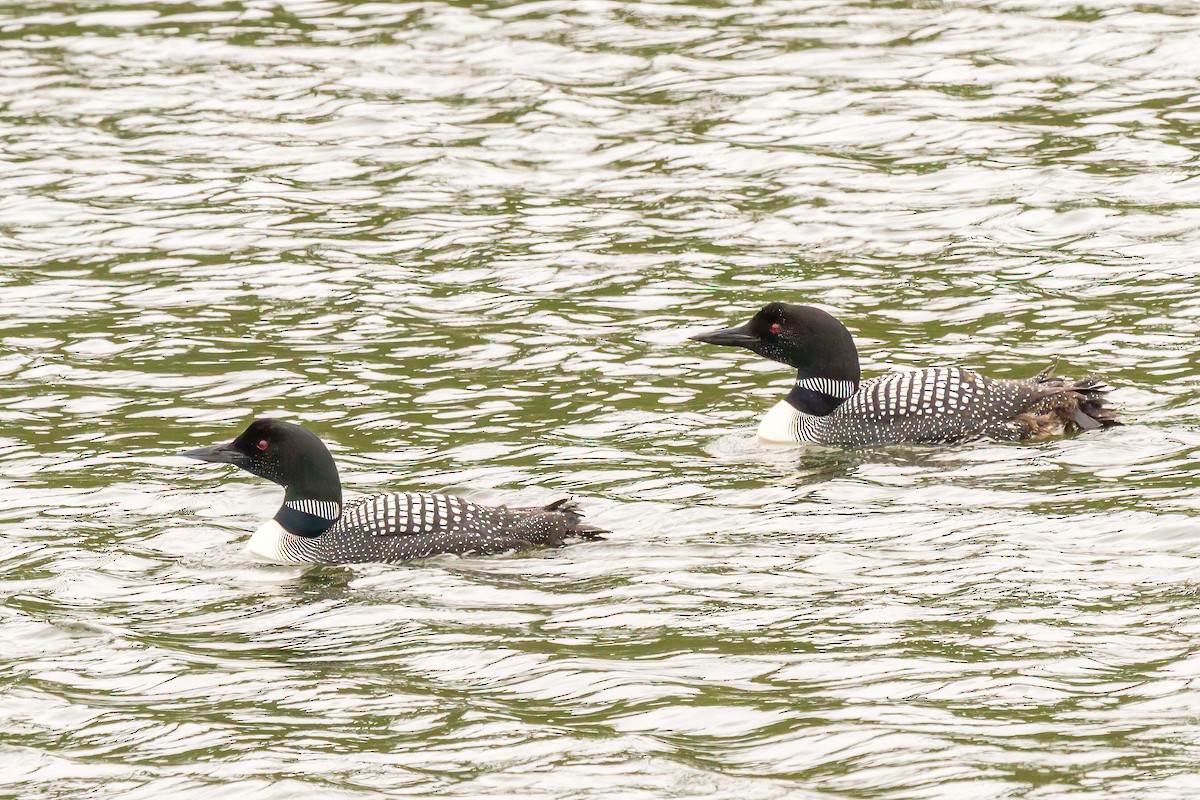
465 242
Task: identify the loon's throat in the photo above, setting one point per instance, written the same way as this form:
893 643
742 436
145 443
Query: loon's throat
820 396
308 518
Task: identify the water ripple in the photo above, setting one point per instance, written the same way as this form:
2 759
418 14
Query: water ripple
466 243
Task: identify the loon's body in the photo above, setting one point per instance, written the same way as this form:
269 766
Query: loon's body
314 526
829 404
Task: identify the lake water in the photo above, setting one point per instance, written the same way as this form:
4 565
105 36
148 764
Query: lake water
465 242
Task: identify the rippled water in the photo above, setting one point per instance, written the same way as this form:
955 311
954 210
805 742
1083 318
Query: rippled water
465 242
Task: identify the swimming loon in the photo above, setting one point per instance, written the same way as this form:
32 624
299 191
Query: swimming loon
829 404
314 526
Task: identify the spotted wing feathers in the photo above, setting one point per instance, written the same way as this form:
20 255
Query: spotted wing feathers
399 527
407 514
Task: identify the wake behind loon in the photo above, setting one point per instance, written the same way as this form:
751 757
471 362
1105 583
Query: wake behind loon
314 527
829 403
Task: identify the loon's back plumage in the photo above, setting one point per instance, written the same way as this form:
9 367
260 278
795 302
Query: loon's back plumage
395 527
947 404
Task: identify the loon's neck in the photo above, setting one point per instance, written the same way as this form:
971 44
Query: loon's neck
819 397
309 516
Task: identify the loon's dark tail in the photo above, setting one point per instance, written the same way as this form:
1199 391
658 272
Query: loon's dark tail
574 514
1090 412
1077 405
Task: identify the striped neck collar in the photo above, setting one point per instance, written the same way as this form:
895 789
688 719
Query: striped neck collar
819 397
308 518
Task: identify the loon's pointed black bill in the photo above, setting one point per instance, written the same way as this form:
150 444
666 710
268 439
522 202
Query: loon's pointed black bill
218 454
737 336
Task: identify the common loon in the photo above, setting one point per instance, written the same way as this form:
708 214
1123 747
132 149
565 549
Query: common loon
829 404
313 526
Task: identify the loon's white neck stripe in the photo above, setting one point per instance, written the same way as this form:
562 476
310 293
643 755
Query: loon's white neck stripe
325 509
829 386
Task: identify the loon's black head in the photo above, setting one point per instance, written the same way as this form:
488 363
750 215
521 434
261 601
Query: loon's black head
287 454
806 338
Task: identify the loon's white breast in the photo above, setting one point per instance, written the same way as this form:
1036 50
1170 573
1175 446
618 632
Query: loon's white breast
268 544
781 425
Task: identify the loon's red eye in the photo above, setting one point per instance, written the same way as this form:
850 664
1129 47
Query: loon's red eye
775 327
262 444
